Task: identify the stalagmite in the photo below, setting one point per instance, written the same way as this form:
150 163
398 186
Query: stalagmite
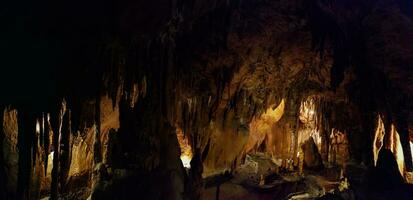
56 125
26 129
47 141
65 143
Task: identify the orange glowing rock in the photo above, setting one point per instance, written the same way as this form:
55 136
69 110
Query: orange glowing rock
261 127
394 144
186 149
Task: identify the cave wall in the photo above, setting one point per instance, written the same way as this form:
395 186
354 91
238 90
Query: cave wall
132 72
10 153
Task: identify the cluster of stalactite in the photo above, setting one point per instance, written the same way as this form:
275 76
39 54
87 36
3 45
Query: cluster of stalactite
209 69
30 138
387 137
337 128
155 87
316 117
47 148
328 125
378 88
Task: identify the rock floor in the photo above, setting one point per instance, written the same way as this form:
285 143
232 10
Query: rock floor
245 183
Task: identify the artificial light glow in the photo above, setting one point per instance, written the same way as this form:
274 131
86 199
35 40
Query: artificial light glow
394 144
49 164
309 127
186 149
396 148
273 115
37 126
307 111
378 139
261 127
317 137
186 161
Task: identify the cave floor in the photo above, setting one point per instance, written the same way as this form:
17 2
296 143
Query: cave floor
261 178
360 183
278 184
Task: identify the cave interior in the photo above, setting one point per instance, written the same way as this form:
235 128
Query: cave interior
206 99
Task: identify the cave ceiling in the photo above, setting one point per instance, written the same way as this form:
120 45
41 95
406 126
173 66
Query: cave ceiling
210 70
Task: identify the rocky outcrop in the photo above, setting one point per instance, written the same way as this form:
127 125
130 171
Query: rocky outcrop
132 73
9 150
312 157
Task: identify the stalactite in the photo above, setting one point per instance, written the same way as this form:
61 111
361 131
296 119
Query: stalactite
325 131
35 141
42 132
295 131
403 131
387 127
37 164
56 126
46 131
65 149
55 169
26 123
97 151
155 56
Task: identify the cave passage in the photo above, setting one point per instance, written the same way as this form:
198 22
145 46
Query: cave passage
206 99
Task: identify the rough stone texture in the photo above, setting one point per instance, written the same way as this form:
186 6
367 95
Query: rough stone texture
225 147
312 157
10 151
262 129
207 67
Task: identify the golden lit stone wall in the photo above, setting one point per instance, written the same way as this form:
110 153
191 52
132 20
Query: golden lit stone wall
82 150
393 144
262 128
226 146
10 151
186 149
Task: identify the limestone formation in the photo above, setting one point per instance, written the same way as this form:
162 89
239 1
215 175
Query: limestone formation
152 99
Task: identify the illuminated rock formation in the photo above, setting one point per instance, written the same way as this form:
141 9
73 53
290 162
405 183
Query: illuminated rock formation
150 99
